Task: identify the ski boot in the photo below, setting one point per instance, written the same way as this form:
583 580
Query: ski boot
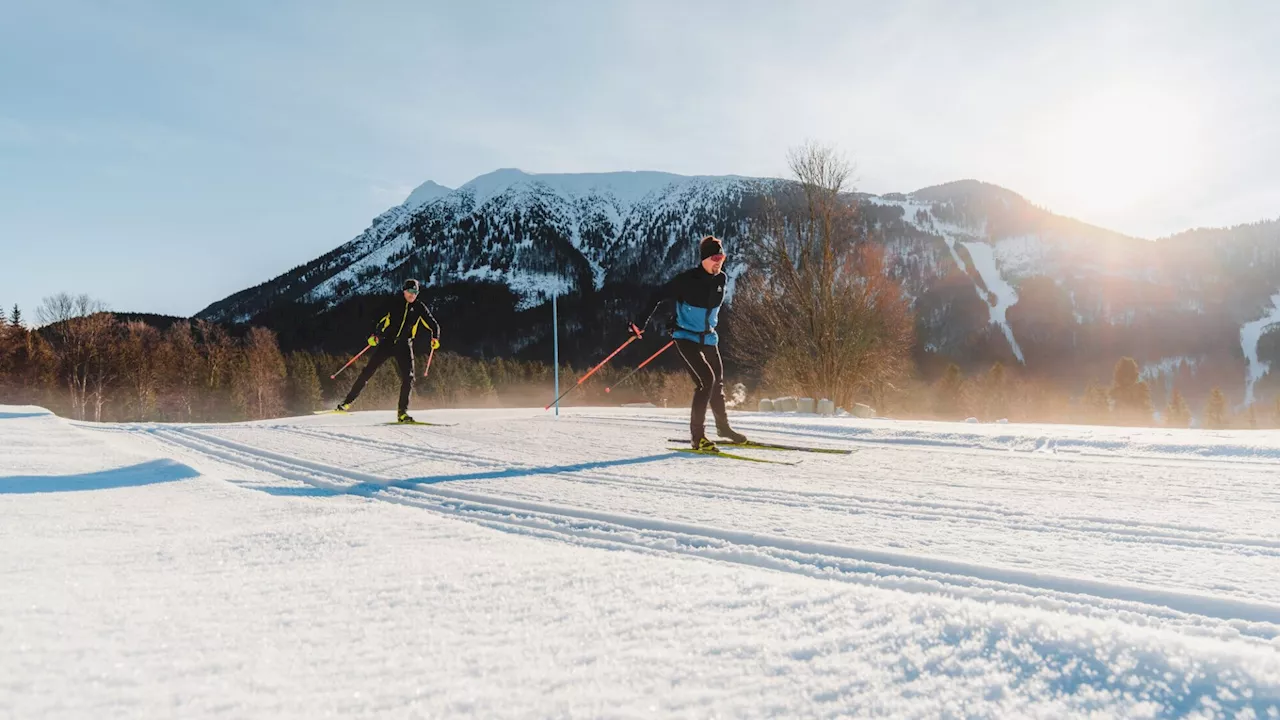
343 407
702 444
732 435
404 418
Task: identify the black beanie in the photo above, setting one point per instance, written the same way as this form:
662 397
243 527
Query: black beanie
710 246
411 285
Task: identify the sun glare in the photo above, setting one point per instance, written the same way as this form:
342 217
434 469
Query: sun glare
1118 147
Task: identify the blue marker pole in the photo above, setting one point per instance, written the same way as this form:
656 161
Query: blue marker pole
555 342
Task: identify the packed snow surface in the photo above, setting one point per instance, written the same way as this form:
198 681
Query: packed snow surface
514 564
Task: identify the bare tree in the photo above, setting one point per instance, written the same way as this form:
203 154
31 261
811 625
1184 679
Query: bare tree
180 367
79 329
104 369
259 378
220 355
9 342
815 312
139 358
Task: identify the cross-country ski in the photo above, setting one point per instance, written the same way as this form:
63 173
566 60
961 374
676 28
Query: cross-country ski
755 445
730 456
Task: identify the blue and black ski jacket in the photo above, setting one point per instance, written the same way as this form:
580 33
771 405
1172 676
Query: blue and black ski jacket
698 295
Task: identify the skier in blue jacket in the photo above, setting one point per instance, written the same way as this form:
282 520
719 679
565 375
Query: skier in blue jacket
698 294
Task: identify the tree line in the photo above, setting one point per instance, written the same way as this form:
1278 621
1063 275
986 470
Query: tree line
813 313
1125 401
86 363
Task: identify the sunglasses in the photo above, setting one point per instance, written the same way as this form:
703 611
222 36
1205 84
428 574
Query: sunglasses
717 258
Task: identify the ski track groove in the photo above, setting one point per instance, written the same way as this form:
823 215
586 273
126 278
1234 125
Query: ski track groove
1197 613
1046 448
1086 526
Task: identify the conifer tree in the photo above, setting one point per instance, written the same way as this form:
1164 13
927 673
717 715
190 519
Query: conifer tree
1130 394
997 392
1215 412
1178 414
947 399
303 383
1097 405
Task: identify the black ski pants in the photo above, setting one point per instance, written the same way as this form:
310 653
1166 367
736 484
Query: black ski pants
707 369
403 353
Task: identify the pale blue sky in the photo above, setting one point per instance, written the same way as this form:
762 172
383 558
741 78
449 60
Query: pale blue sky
161 155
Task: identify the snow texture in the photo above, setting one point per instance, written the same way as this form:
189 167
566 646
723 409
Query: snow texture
1166 366
519 565
625 202
1021 256
984 261
627 187
1250 334
425 194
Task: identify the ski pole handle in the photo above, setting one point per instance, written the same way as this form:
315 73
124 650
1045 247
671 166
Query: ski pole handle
352 360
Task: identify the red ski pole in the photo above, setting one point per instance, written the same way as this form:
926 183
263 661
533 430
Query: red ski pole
641 365
344 367
636 336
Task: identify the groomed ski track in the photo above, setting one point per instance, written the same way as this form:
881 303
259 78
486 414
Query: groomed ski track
662 502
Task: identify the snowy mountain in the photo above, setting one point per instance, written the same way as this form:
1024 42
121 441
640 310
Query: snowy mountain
991 276
537 234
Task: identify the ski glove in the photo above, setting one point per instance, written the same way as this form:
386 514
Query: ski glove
435 344
373 341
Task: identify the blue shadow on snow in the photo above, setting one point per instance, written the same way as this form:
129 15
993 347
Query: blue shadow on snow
281 491
16 415
369 488
147 473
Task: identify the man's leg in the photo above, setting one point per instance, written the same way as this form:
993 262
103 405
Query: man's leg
712 354
404 360
703 380
717 398
380 354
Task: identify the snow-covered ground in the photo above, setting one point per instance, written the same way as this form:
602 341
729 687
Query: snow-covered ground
518 565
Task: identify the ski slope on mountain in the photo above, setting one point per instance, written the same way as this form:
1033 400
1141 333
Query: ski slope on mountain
984 261
513 564
1250 336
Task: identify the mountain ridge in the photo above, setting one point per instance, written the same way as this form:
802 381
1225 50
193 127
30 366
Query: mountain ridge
991 276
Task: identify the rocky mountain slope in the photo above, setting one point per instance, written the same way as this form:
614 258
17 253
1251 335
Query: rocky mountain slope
991 276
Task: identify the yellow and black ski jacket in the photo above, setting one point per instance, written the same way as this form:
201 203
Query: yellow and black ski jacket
402 321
